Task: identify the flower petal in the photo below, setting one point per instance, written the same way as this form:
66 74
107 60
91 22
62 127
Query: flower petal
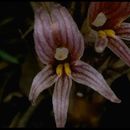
94 10
43 34
77 42
66 31
119 15
61 100
55 27
118 47
123 31
43 80
114 12
101 44
87 75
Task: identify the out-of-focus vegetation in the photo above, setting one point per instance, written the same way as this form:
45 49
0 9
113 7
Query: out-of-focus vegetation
18 66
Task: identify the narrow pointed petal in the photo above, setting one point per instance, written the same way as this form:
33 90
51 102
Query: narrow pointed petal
61 100
101 44
118 47
43 80
123 31
87 75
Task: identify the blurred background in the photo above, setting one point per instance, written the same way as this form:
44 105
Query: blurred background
18 66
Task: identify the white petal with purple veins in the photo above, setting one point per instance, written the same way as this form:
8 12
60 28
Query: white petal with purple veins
43 80
101 44
87 75
123 31
61 100
118 47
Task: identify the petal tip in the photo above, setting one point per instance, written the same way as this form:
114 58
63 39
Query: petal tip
116 100
32 100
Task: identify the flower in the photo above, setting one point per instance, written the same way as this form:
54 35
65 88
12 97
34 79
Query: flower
107 27
59 46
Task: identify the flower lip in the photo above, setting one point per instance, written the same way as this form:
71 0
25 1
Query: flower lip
61 53
100 20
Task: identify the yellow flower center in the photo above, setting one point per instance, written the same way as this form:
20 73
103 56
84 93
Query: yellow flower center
59 69
67 69
110 33
63 67
105 33
101 34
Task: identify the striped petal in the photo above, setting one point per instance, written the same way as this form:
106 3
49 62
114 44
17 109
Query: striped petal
43 37
114 12
101 44
55 27
118 47
123 31
94 9
61 100
66 31
87 75
43 80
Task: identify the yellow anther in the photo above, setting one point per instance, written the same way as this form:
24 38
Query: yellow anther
67 69
110 33
101 34
59 69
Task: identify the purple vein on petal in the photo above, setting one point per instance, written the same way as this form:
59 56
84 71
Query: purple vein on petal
101 44
65 97
123 31
77 40
46 23
43 80
42 25
118 47
40 46
47 33
61 28
87 75
43 58
61 100
68 28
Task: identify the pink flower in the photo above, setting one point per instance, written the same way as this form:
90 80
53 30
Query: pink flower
106 21
59 46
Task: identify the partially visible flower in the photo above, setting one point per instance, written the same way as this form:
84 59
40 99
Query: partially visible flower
106 26
59 45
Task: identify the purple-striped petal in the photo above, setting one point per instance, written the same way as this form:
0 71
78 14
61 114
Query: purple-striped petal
66 32
43 35
118 47
55 27
101 44
114 12
94 9
123 31
61 100
43 80
75 39
87 75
